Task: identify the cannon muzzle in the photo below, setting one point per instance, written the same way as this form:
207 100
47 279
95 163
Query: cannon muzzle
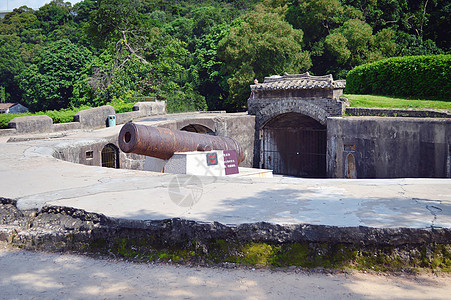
163 142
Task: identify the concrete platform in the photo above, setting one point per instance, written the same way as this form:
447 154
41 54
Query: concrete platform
35 179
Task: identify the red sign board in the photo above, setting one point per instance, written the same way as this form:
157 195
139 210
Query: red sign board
230 162
212 159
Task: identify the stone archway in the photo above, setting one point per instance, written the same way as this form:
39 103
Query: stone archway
110 156
303 107
294 144
305 102
198 128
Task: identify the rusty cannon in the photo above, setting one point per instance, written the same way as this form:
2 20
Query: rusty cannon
163 142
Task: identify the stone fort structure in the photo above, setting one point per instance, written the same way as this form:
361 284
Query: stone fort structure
296 125
301 131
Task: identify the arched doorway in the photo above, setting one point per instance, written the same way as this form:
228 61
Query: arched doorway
294 144
198 129
110 156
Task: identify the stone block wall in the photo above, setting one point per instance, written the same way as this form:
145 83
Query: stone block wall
317 108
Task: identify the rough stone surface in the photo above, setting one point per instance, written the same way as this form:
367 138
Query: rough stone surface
8 132
386 112
94 117
66 126
389 147
32 124
150 108
125 117
56 228
318 109
315 96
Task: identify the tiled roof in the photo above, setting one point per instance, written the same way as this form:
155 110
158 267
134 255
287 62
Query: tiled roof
299 81
5 106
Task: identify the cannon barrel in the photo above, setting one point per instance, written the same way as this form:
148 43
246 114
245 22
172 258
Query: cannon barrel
163 142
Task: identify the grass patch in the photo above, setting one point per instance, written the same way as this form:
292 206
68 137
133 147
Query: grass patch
372 101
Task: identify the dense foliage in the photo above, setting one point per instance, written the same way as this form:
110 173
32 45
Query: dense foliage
419 76
200 54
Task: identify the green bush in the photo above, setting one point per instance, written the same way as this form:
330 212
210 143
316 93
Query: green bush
120 105
58 116
410 76
5 118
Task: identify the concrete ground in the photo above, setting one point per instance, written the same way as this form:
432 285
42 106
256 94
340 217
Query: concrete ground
30 175
35 275
34 178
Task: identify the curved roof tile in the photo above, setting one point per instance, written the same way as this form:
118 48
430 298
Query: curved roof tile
298 81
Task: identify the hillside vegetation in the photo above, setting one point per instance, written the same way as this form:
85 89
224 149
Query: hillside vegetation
200 54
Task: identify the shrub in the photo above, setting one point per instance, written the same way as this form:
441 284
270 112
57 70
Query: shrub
58 116
5 118
120 105
410 76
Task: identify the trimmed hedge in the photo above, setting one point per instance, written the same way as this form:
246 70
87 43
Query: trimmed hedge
409 76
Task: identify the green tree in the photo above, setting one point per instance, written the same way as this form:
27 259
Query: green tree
48 84
20 40
2 94
54 14
262 44
211 70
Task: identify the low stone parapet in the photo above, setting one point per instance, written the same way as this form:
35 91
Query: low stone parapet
7 132
94 117
32 124
66 126
125 117
150 108
393 112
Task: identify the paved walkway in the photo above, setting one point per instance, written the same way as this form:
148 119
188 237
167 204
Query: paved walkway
34 178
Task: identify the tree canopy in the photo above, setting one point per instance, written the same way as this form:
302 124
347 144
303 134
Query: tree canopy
200 55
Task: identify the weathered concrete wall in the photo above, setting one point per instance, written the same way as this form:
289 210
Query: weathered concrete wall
66 126
390 112
32 124
125 117
94 117
178 124
89 152
380 147
240 127
150 108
